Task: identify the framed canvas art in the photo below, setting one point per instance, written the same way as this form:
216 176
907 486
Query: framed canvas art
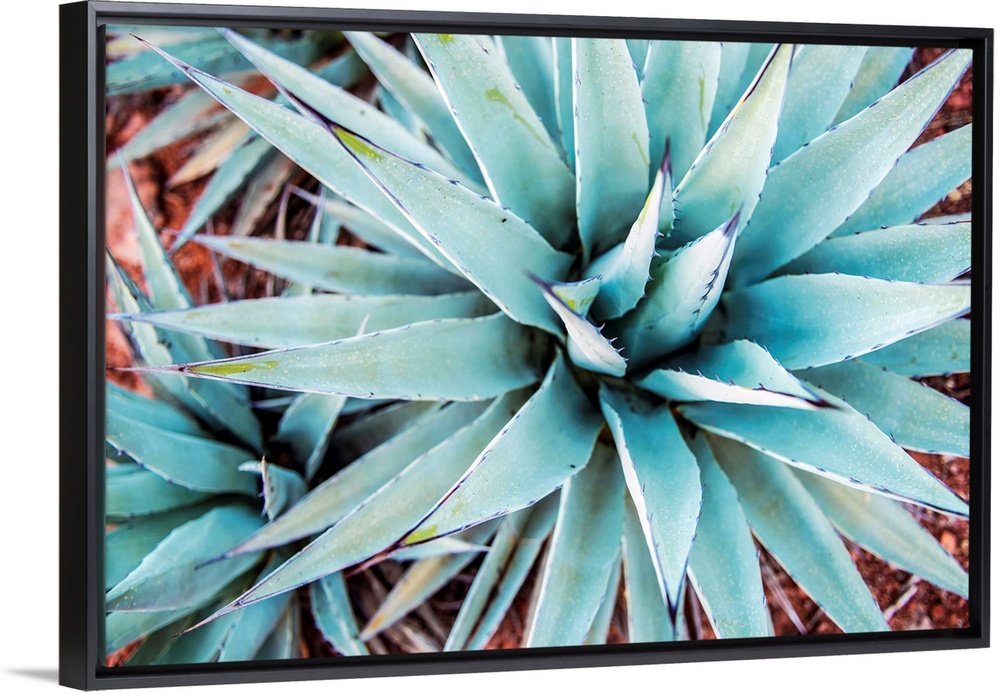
424 342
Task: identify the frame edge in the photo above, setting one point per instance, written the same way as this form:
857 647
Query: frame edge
77 192
79 655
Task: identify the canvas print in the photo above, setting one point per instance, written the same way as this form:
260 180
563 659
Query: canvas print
442 342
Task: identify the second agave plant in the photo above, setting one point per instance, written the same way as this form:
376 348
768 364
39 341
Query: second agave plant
625 314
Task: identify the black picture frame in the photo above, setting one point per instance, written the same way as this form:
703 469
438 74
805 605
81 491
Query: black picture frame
81 344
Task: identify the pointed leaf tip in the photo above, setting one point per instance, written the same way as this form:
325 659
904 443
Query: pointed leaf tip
586 345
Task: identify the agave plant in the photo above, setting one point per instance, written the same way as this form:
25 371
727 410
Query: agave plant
627 312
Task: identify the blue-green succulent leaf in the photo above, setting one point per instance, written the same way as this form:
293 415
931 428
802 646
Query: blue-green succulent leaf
638 49
927 253
732 66
598 633
143 493
410 85
343 493
879 72
813 191
153 347
282 487
562 77
167 578
679 84
400 113
497 558
231 174
531 60
224 406
127 544
535 589
363 225
922 177
147 343
737 372
728 175
130 300
123 628
886 528
797 533
415 89
473 359
339 105
308 143
540 524
306 425
283 643
346 70
503 131
662 478
236 638
948 218
422 580
579 296
159 644
612 142
451 544
384 517
313 318
199 464
352 440
757 55
648 617
682 294
821 77
915 416
864 456
143 71
812 320
944 349
331 608
724 567
246 633
156 413
165 288
556 429
490 245
624 270
338 268
585 344
112 455
585 549
379 521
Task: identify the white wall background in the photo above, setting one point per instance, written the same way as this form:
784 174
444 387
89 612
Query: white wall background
29 396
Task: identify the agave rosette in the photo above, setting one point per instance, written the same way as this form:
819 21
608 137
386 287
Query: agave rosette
627 309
